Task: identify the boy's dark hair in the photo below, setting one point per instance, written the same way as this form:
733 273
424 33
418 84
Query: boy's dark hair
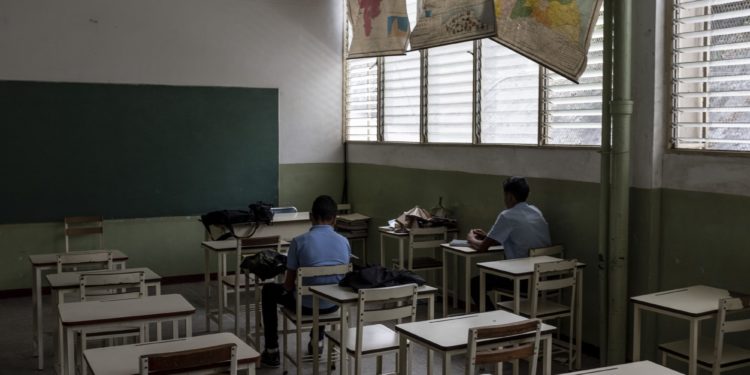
324 208
518 187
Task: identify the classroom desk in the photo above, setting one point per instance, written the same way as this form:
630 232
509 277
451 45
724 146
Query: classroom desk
222 249
402 238
693 303
82 315
346 298
523 269
39 264
634 368
467 254
451 336
125 359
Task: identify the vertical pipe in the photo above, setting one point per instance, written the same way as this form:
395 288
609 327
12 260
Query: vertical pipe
604 182
621 109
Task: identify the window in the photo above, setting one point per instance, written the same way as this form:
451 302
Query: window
472 92
711 75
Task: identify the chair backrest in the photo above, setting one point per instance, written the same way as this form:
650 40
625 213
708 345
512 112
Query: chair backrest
557 251
344 208
284 210
724 325
76 226
549 276
303 272
529 350
425 238
107 286
220 356
91 260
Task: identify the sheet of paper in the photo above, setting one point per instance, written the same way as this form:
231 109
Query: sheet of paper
442 22
554 33
379 28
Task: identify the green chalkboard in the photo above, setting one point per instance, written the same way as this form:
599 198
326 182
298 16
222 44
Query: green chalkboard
127 151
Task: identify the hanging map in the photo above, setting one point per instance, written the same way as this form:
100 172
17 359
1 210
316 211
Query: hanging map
554 33
379 28
442 22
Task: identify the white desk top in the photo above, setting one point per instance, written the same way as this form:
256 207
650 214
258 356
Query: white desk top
340 294
519 266
124 359
392 232
693 300
469 251
51 258
635 368
229 245
96 312
452 333
71 280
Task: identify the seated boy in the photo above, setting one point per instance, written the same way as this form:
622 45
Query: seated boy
321 246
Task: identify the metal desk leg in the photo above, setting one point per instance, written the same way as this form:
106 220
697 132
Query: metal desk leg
207 285
547 355
482 289
403 356
579 319
467 283
455 281
445 286
36 298
446 363
401 253
220 287
70 351
430 316
636 333
344 330
237 291
382 249
693 353
316 334
517 295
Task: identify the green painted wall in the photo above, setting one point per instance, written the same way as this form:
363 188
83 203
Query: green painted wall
168 245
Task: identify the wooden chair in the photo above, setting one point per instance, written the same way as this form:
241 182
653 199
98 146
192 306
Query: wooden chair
87 260
78 226
110 286
551 276
494 355
717 356
423 239
376 305
557 251
302 322
194 360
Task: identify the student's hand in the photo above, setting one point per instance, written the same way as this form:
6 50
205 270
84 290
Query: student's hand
479 234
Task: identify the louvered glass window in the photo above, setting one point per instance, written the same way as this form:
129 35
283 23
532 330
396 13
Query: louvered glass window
450 74
572 113
401 91
711 75
361 100
509 96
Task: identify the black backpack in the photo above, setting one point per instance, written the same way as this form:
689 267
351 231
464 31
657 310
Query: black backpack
260 212
225 218
379 277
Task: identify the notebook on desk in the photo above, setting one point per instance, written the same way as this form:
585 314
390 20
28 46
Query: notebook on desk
459 243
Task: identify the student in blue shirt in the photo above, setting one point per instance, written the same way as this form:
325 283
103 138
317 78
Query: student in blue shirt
321 246
518 228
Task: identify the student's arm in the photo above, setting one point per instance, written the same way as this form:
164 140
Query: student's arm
289 280
479 241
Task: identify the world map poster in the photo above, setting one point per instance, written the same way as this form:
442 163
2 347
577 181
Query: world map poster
442 22
379 28
554 33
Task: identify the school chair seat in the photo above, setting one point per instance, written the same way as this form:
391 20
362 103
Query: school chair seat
379 339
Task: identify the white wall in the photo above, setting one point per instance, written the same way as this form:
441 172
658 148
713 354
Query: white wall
291 45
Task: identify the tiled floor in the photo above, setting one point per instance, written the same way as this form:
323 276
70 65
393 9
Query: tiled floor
16 354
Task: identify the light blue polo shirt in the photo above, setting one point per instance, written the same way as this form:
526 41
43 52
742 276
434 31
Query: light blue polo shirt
321 246
519 229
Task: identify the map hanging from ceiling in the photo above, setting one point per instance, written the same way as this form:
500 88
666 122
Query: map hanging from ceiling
442 22
379 28
554 33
